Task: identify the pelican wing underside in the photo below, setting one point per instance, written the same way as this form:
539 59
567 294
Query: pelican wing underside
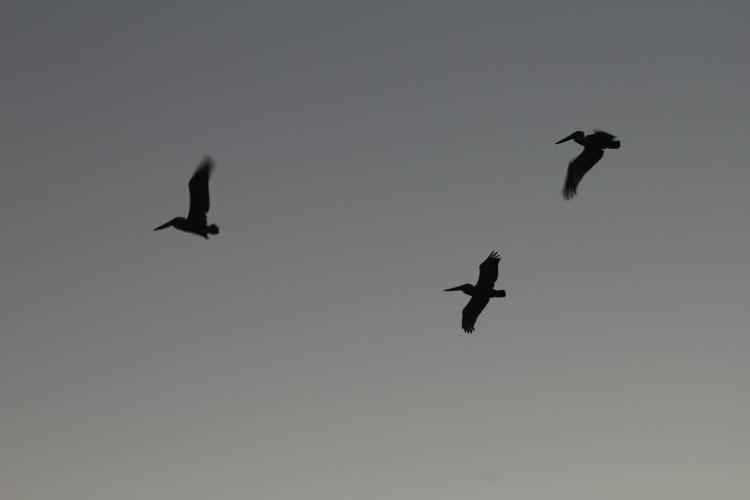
578 167
471 312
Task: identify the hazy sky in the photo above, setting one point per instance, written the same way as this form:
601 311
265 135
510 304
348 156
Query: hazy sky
369 155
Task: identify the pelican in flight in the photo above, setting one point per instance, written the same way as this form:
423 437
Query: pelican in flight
196 222
593 150
481 293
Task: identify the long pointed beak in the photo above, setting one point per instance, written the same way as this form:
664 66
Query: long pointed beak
566 139
454 289
165 225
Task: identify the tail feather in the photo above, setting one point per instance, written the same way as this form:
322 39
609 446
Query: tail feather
614 145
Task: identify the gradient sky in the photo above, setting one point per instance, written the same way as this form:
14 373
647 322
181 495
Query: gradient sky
369 155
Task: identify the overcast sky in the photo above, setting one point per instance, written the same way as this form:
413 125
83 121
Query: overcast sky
369 155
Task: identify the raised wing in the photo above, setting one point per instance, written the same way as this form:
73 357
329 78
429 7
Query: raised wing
602 139
488 272
198 185
602 134
470 313
578 167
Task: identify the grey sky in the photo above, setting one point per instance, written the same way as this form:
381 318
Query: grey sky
369 155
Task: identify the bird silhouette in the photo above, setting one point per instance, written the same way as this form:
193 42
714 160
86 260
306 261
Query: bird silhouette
196 222
593 150
481 293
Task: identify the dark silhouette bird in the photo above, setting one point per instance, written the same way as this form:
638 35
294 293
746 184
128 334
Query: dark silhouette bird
196 222
593 150
481 293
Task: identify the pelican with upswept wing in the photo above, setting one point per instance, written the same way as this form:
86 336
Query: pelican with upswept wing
196 221
593 150
481 293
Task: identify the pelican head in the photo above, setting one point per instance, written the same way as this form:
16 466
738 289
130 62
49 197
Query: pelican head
176 222
466 288
575 135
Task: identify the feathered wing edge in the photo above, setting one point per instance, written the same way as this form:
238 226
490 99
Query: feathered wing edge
488 270
471 312
577 168
570 186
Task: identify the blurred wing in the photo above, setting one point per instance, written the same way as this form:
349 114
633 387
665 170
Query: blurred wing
471 312
578 168
199 198
488 272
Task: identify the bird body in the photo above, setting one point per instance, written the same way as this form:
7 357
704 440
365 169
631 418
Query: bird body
593 151
196 221
191 226
481 292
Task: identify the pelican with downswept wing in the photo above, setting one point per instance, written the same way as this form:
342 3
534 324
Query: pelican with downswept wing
481 292
593 151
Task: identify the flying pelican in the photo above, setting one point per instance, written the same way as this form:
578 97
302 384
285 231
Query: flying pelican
481 293
199 203
593 150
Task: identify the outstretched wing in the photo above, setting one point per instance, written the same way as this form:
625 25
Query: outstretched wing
198 185
578 167
488 272
470 313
